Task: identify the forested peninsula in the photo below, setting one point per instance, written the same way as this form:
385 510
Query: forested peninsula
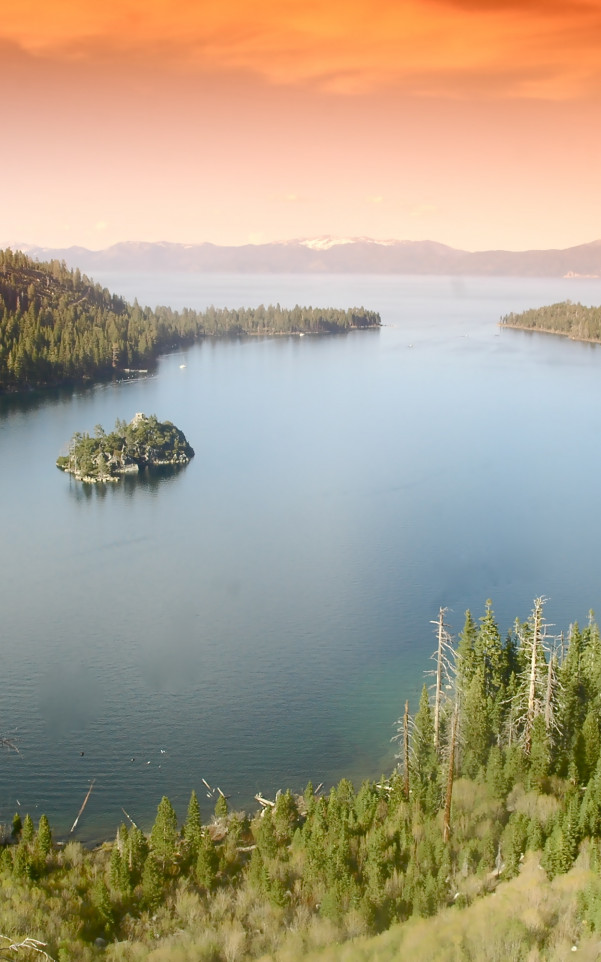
59 327
572 320
144 442
489 828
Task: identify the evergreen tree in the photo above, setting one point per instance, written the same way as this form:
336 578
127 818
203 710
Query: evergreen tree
475 726
425 764
285 817
221 807
152 884
207 863
101 900
540 754
28 833
587 746
590 809
192 830
164 834
44 837
466 652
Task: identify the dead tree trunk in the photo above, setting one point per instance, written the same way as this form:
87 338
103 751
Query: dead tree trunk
406 750
438 688
530 711
549 695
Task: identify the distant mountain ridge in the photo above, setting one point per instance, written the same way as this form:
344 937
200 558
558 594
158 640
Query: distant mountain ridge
327 255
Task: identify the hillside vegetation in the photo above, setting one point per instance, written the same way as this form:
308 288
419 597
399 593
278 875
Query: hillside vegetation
501 759
57 326
572 320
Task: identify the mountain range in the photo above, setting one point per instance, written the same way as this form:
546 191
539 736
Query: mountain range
326 255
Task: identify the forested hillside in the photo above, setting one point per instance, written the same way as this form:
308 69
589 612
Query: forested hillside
572 320
57 326
502 758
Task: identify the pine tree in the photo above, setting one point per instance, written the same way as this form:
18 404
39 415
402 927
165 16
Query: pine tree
285 817
465 652
265 837
101 900
152 884
424 753
540 753
590 809
192 830
221 807
587 746
164 834
475 724
28 833
207 863
44 837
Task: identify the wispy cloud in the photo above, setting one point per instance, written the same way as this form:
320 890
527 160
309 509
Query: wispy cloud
342 47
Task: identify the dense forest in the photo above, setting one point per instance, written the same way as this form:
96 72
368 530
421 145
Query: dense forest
144 442
57 326
497 791
572 320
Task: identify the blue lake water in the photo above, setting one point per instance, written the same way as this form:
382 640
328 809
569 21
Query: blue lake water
259 618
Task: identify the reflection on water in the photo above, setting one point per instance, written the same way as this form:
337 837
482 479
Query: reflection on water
148 478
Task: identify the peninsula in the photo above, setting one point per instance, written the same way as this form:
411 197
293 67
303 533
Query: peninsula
144 442
59 327
575 321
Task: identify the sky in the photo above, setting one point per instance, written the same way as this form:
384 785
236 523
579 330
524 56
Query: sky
475 124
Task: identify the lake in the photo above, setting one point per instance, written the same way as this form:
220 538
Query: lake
259 618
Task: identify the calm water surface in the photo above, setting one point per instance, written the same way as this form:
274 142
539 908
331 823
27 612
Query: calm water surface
259 618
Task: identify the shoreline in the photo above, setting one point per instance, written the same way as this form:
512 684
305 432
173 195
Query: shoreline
548 330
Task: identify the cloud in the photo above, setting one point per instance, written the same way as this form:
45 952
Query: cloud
344 48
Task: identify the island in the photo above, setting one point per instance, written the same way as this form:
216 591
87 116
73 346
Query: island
144 442
566 318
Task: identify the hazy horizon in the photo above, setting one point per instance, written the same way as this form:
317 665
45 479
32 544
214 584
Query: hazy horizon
474 125
26 245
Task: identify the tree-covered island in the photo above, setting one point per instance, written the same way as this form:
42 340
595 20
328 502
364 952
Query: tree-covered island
59 327
144 442
571 320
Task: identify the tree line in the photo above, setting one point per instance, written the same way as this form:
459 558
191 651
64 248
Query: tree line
58 326
566 317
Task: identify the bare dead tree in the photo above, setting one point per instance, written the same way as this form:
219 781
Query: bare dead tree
540 686
27 945
404 727
537 615
406 750
444 673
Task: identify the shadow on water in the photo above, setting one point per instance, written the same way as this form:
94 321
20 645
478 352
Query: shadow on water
27 402
148 480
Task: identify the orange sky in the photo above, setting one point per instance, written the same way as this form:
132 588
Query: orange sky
475 124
